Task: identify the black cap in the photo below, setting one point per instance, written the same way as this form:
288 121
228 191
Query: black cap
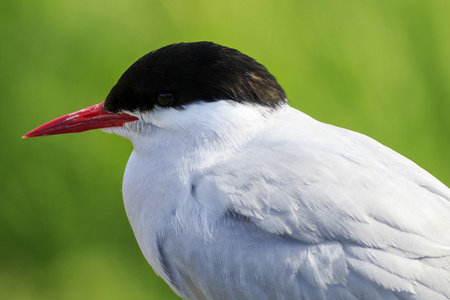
179 74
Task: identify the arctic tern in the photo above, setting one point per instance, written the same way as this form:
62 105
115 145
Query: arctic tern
233 194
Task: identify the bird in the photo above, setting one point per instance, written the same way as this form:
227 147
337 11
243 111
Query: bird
233 194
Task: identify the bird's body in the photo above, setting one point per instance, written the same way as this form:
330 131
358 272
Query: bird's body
276 205
235 198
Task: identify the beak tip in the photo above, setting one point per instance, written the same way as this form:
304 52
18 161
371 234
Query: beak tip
29 135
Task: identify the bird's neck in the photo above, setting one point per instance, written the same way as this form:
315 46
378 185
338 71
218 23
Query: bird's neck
201 134
159 174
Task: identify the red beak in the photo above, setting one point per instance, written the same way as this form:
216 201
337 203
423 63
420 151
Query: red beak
91 117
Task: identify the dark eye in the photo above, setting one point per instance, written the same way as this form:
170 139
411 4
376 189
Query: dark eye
165 99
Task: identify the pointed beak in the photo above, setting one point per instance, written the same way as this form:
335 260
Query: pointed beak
91 117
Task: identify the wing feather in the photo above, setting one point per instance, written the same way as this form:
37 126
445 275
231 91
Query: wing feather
390 218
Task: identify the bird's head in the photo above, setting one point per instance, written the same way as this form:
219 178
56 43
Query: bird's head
174 78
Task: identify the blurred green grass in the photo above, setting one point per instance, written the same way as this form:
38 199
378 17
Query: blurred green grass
378 67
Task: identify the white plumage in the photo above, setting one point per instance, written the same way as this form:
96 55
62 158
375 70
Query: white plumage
237 201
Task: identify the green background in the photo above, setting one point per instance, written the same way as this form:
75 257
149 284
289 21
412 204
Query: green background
378 67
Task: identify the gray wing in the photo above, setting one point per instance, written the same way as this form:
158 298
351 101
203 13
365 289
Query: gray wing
335 217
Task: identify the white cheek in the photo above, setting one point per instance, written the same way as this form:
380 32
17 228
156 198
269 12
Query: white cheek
203 114
161 117
181 118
